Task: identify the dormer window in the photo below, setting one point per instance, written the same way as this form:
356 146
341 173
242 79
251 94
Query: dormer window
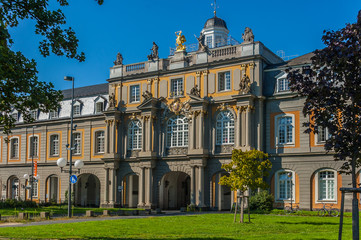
54 114
15 116
76 110
283 85
99 107
34 114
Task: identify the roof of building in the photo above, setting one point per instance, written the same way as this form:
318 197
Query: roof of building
215 22
301 60
87 91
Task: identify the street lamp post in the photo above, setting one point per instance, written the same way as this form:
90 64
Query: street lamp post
71 148
32 167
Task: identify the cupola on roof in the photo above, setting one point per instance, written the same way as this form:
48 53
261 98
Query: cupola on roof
215 22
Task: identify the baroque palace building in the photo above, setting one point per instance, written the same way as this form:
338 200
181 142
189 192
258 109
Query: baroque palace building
162 129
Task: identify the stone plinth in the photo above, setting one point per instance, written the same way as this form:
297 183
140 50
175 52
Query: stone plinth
23 216
89 213
179 60
45 215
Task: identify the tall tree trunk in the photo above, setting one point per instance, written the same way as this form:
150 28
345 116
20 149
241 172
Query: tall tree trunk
242 208
235 211
355 213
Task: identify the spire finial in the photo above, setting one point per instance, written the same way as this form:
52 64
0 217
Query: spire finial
214 7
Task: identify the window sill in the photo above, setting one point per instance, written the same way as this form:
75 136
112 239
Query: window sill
326 201
178 96
227 90
134 102
279 145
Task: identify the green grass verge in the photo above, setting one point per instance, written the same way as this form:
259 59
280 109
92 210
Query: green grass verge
204 226
62 209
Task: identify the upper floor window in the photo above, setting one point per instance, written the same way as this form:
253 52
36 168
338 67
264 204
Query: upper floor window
99 142
33 146
209 41
225 128
76 110
15 116
34 114
99 107
224 81
322 135
177 132
177 87
53 114
14 148
134 93
77 143
285 129
135 135
35 189
283 85
285 185
54 145
326 185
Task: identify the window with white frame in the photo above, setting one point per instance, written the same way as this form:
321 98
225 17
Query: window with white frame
225 128
54 145
14 148
177 87
177 132
53 114
34 114
35 189
135 135
99 107
322 135
285 183
224 81
209 41
134 95
99 142
33 146
77 109
285 129
327 185
283 84
15 116
77 143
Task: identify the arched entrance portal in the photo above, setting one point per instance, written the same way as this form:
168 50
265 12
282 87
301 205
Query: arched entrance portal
52 189
87 191
130 190
221 195
13 187
174 190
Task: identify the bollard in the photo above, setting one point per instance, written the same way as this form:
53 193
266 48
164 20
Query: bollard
106 212
45 215
23 216
89 213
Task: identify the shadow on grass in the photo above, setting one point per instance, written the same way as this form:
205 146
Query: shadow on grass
310 223
215 238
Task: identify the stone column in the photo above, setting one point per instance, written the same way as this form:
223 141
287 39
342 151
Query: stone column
150 134
248 130
192 134
106 187
201 127
112 186
198 81
144 143
148 199
239 125
141 188
193 192
205 83
112 135
130 190
200 186
119 88
260 125
220 193
107 136
156 82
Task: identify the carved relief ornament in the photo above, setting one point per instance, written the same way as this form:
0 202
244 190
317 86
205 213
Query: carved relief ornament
178 107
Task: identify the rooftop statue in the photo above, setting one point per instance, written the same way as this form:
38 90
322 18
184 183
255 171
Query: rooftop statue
180 40
201 46
248 36
147 95
119 60
195 91
112 101
154 54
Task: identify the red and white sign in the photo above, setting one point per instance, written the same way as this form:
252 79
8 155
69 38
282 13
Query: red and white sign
35 168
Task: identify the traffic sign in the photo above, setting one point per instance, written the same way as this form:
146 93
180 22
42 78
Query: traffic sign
73 179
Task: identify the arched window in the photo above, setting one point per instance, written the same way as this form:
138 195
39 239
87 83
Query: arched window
285 129
135 135
177 132
99 142
326 185
225 128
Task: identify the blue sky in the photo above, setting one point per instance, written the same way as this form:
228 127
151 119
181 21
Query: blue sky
130 27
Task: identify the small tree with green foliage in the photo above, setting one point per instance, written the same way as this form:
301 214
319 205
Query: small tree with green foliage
246 172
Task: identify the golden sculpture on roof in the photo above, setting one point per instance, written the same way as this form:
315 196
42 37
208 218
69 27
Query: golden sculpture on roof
180 40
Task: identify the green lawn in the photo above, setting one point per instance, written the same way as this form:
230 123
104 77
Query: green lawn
205 226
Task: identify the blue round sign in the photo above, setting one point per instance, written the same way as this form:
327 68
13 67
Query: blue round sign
73 179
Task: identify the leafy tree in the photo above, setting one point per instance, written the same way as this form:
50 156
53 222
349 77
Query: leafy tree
332 91
19 85
246 172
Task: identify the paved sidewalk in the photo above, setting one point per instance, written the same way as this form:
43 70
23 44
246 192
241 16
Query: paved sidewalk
92 219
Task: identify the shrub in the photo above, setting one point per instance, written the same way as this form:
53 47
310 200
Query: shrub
262 201
13 203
